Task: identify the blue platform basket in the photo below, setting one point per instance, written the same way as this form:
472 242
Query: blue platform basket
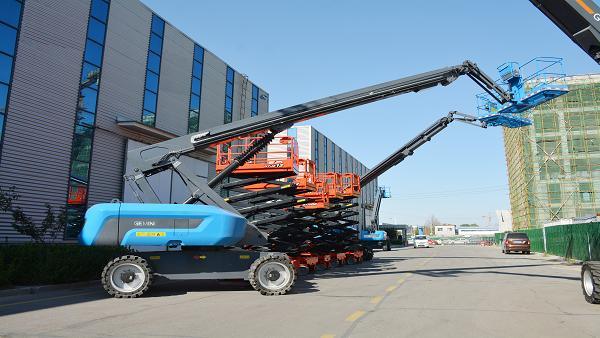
531 84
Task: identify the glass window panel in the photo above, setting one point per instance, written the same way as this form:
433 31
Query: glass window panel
254 92
229 74
229 89
1 125
150 101
227 118
228 104
74 221
10 12
3 98
100 10
193 121
5 68
93 52
8 38
197 69
154 62
254 106
148 118
158 25
85 118
194 102
155 43
196 85
198 53
83 131
152 82
96 30
82 146
89 75
80 170
87 99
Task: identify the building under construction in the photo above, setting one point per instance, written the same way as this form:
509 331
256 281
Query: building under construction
554 164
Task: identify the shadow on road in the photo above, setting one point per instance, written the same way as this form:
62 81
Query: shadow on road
383 266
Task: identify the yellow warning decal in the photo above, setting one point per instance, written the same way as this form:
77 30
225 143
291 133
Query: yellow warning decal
154 258
150 234
198 257
286 186
244 256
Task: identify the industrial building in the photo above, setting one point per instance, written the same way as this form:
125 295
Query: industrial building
554 164
329 157
82 81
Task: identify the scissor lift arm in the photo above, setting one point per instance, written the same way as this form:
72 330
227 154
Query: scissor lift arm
578 19
149 160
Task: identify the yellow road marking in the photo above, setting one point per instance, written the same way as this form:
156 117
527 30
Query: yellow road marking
401 280
376 300
43 299
355 316
391 288
408 274
328 336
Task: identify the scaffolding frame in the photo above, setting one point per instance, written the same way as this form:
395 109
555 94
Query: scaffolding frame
554 164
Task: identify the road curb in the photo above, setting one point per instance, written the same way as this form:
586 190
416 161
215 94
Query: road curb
22 290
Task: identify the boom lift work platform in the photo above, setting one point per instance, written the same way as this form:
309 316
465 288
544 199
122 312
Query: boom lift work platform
207 237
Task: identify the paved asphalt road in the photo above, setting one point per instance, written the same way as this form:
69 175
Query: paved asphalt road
455 291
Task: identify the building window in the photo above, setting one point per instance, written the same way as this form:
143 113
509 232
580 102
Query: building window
10 23
325 154
155 46
333 157
85 117
254 108
196 90
317 151
229 95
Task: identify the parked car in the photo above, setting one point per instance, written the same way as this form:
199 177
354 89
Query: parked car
516 241
421 242
410 241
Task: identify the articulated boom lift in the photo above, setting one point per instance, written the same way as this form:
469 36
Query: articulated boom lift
207 237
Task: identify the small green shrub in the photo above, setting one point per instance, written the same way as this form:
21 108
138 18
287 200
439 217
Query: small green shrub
33 264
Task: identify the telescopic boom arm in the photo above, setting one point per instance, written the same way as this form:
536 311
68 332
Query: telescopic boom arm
149 160
409 148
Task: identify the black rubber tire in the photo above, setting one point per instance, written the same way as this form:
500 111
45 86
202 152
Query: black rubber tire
350 260
503 251
388 246
279 258
594 268
139 261
368 255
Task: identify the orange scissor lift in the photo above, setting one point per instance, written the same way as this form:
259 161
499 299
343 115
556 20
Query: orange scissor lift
278 168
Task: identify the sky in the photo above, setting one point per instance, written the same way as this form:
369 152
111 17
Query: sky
304 50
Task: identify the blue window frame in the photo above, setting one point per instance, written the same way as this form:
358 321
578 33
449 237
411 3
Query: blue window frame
229 77
254 107
333 157
325 155
11 12
85 117
317 150
155 45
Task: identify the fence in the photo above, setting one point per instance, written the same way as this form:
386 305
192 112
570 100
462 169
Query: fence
578 241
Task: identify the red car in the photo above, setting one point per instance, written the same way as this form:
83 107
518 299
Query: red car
516 241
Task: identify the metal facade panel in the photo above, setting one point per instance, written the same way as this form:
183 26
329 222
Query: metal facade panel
106 171
39 126
213 92
175 82
124 67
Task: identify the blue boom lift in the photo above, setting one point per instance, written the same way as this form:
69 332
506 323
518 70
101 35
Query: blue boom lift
206 237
